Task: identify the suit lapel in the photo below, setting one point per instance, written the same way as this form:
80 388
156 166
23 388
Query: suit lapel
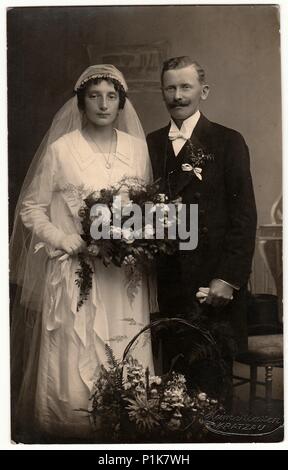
202 133
164 147
200 137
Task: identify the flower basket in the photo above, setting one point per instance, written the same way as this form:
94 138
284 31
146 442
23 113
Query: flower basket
129 405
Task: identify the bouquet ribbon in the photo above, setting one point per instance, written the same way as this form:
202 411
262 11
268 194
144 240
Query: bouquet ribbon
62 292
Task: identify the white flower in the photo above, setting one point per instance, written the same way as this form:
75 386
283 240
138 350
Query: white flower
180 378
165 406
155 379
127 386
148 231
162 197
202 396
93 250
129 259
128 235
186 167
164 207
115 231
138 234
143 412
95 195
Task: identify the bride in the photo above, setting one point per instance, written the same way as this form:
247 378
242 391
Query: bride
94 141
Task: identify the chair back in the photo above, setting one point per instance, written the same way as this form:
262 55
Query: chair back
263 315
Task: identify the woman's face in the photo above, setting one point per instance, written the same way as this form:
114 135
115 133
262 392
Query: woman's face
101 103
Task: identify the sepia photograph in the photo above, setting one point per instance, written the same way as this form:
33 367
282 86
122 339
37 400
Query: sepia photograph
145 224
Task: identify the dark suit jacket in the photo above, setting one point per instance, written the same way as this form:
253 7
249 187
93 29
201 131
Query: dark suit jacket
227 217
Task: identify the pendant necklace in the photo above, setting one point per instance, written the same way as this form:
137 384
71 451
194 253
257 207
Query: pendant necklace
108 164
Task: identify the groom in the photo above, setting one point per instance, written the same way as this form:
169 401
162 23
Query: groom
206 164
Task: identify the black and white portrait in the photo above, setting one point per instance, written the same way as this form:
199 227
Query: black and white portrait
145 224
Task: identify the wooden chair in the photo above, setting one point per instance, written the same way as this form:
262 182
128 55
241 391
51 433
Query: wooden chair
263 351
265 347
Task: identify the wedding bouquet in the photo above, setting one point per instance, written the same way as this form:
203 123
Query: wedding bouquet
114 236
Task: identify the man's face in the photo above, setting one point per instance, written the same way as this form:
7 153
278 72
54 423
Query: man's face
101 104
183 92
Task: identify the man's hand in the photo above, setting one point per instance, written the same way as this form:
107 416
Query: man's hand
72 244
202 294
220 293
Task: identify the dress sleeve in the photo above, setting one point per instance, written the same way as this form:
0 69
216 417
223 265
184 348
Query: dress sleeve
35 211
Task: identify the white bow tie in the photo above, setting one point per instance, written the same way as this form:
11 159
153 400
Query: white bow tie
174 134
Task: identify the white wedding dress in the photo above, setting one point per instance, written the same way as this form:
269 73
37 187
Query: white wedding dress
72 344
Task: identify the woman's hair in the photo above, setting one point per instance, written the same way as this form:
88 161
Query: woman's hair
182 62
117 85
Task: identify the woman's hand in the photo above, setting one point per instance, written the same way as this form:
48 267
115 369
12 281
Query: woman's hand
72 244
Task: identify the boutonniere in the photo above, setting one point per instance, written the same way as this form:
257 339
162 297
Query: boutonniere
196 159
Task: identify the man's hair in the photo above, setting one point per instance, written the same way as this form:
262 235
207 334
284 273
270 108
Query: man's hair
180 63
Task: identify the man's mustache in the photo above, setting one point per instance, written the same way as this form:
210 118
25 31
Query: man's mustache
177 104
